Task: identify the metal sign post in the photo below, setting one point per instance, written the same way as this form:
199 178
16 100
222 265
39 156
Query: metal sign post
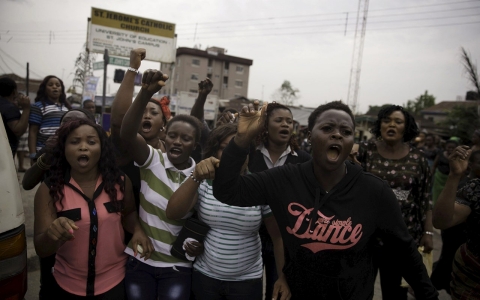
106 60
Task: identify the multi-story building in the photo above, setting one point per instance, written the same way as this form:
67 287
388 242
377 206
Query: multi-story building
229 74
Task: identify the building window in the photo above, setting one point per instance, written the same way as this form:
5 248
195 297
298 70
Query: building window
215 91
240 69
178 62
227 65
193 91
238 83
209 76
237 95
194 77
196 62
210 62
217 76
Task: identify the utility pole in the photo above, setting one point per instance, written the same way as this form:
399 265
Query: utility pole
104 95
27 79
353 84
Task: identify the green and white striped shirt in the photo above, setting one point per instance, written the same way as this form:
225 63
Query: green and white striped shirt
159 179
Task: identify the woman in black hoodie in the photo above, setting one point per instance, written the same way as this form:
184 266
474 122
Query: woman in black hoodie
328 210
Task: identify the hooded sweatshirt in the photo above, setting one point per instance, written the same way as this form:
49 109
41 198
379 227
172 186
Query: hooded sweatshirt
328 236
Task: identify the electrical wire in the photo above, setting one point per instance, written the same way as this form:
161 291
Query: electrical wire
1 57
21 65
334 25
70 37
321 32
325 14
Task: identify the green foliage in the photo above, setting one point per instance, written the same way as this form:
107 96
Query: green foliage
286 94
421 102
462 122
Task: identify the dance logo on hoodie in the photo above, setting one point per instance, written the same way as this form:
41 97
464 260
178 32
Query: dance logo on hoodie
329 234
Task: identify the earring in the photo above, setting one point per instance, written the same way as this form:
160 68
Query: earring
161 129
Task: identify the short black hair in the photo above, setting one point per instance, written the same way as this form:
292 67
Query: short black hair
337 105
411 128
87 100
263 135
89 115
7 86
190 120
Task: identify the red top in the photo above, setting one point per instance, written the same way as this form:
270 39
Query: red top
94 262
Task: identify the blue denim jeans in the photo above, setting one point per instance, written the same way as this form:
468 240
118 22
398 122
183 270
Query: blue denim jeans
207 288
144 282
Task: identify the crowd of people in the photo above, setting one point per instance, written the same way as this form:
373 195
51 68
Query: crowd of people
310 218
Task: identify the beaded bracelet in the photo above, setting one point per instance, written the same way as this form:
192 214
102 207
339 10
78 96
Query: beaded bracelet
195 179
428 232
43 166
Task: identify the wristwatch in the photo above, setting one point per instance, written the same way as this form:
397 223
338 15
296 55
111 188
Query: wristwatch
32 155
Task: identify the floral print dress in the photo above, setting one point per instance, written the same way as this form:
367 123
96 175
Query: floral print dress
409 178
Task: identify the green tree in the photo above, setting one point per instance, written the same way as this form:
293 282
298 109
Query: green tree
471 71
286 94
462 122
420 103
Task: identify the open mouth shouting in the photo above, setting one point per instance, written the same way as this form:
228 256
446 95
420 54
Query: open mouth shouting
391 132
284 133
146 126
175 152
83 160
333 152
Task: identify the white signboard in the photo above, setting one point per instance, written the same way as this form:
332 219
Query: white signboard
185 101
120 33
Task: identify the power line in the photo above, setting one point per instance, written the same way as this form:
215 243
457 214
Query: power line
333 25
22 66
332 31
1 57
73 40
326 14
73 34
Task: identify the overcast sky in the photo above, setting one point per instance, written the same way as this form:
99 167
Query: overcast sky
410 45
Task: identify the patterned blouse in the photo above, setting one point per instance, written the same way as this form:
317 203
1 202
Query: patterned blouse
470 195
409 179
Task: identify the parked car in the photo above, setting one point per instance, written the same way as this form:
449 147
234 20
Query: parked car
13 244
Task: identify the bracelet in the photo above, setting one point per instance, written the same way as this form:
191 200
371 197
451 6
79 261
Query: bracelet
132 70
32 155
43 166
428 232
195 179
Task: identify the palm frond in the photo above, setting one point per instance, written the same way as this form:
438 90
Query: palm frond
471 70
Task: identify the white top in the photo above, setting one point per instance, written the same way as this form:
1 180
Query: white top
280 161
232 246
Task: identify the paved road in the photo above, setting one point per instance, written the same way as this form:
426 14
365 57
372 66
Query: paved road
33 265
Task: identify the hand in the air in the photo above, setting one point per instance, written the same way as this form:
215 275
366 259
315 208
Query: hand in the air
153 81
